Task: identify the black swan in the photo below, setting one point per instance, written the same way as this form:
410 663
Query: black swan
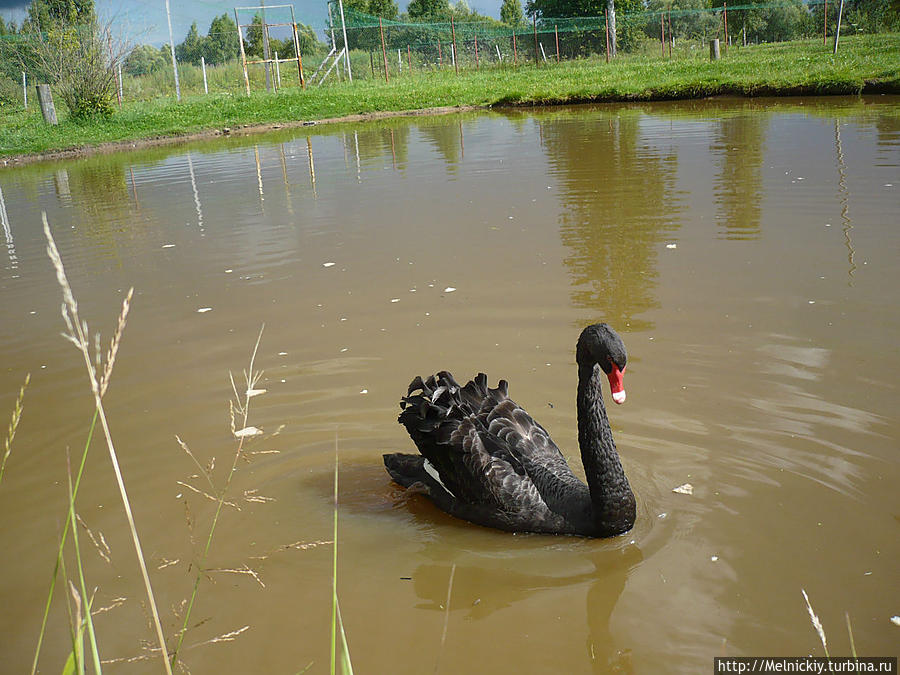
485 460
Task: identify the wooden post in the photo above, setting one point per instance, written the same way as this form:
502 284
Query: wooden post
383 50
725 14
714 49
556 35
409 59
299 57
45 98
372 63
662 34
476 51
825 25
24 91
606 17
243 53
537 61
515 51
454 53
671 35
837 30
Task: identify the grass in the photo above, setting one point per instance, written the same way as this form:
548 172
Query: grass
864 63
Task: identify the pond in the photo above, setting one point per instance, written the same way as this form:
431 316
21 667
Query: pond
746 250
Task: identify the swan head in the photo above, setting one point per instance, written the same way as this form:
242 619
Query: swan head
601 345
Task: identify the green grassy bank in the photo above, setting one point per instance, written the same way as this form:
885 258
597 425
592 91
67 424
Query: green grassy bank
865 63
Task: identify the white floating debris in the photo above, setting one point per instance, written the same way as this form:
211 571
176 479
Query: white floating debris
662 516
395 299
328 264
247 431
811 302
363 391
686 489
255 392
203 310
178 496
895 620
168 245
282 353
888 185
714 558
449 289
343 349
229 271
671 245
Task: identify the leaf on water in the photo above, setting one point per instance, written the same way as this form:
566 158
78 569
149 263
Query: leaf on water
247 431
255 392
686 489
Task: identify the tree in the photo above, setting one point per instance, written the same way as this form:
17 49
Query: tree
44 15
221 43
253 42
429 10
191 49
386 9
145 59
511 13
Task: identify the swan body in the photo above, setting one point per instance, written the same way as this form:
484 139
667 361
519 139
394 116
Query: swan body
484 459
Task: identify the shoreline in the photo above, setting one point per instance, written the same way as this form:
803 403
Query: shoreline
869 87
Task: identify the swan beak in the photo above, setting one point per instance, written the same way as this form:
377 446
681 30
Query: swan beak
615 383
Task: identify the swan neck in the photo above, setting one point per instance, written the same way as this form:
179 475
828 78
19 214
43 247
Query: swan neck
611 497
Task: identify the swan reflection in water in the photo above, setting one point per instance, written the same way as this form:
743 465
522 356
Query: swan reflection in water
488 580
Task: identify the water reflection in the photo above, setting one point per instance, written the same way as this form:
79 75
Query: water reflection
844 199
7 233
481 588
739 145
618 204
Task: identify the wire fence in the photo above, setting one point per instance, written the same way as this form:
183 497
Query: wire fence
363 46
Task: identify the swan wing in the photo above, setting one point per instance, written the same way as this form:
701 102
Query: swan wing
477 467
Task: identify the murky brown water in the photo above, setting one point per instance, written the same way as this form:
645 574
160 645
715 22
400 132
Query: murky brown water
746 251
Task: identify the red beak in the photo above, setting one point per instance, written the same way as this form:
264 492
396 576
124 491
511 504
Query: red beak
615 383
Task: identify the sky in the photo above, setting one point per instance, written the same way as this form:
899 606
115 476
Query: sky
144 21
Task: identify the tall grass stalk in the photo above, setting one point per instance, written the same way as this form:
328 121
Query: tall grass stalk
241 404
78 335
815 622
336 620
13 424
60 565
88 622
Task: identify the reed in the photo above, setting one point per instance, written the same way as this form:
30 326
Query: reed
239 409
13 425
820 630
336 621
99 373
